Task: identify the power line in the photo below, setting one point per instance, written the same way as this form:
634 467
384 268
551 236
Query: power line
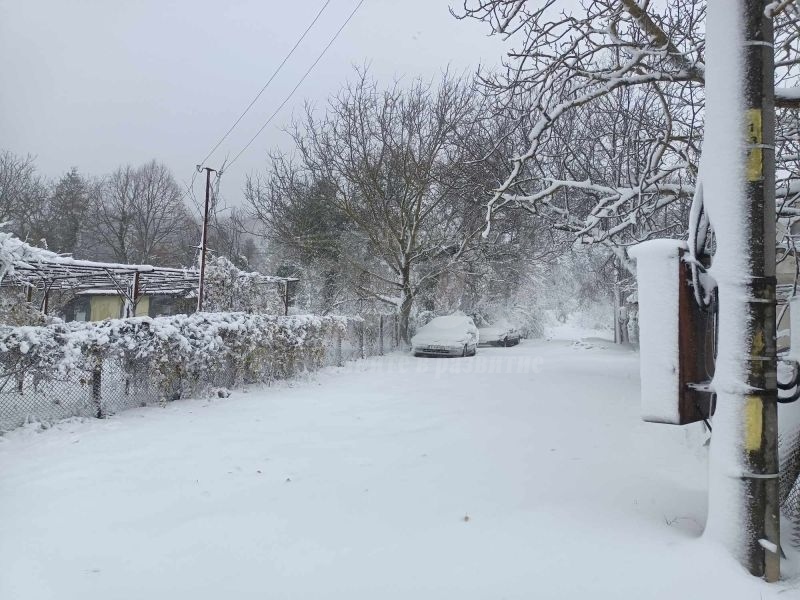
299 83
266 85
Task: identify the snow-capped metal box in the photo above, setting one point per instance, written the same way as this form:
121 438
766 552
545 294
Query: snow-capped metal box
673 336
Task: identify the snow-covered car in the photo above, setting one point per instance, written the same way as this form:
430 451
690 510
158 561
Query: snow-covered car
452 335
499 334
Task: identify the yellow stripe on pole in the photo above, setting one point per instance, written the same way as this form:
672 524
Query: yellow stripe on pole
753 423
754 132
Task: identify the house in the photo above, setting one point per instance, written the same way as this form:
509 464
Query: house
99 304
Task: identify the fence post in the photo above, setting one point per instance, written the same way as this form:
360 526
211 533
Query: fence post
97 380
361 331
20 377
339 362
380 336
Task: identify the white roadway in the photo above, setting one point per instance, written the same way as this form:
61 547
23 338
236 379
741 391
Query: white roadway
523 472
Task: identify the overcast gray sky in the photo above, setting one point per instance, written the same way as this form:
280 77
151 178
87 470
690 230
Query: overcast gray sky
100 83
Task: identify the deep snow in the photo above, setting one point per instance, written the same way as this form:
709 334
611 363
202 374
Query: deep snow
524 472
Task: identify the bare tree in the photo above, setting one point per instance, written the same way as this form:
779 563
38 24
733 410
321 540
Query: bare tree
613 95
384 161
112 215
160 218
228 236
138 216
23 196
611 102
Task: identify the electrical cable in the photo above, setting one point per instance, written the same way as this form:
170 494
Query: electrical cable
789 399
793 382
302 79
269 81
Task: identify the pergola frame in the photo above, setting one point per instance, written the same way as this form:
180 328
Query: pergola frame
26 266
60 273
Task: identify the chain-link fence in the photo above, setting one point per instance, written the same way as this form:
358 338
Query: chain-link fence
789 482
117 382
373 335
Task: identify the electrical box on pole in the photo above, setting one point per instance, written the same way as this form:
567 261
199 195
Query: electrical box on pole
676 336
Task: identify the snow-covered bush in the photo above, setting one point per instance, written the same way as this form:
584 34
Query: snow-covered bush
228 288
183 354
14 310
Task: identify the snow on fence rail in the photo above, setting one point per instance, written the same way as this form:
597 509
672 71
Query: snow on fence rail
96 369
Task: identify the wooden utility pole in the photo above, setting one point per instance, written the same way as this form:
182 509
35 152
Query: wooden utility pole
760 431
204 240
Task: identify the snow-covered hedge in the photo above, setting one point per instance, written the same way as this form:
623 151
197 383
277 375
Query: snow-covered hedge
182 353
229 288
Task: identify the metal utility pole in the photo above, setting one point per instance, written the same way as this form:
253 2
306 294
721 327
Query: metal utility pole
204 240
760 431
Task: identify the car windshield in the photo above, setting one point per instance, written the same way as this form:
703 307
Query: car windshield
451 323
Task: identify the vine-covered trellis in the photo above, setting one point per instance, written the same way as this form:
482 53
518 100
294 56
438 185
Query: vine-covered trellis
40 273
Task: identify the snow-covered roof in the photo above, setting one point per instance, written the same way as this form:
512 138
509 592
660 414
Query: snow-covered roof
26 265
98 292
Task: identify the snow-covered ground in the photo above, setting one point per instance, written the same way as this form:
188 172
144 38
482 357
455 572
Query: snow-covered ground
524 472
